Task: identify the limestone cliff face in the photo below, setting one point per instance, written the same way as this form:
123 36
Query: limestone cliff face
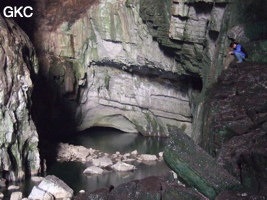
18 137
114 72
83 45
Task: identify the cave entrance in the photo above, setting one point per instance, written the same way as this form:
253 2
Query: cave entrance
111 140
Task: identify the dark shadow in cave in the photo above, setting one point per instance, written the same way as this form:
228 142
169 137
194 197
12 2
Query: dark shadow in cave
110 140
51 115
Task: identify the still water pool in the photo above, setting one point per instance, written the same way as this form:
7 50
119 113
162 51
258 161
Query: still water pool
109 141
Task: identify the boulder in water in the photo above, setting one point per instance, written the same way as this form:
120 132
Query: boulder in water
123 167
93 170
51 187
148 157
102 162
16 196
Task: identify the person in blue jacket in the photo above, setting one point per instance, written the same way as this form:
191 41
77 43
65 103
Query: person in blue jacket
239 54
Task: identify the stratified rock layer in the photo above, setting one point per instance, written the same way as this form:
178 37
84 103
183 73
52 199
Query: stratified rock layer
196 166
111 72
132 103
18 136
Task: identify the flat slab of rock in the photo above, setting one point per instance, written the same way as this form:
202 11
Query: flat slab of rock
13 187
102 162
123 167
148 157
16 196
51 187
93 170
196 166
37 178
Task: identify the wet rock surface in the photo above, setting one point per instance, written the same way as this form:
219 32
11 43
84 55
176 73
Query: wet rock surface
156 188
51 187
236 124
99 162
196 167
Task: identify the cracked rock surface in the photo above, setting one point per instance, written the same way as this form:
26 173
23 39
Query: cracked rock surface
18 137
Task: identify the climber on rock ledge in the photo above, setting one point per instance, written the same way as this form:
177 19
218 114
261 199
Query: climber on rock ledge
238 51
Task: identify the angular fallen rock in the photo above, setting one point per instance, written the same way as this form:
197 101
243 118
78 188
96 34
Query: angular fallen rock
37 178
123 167
196 166
13 187
135 152
51 187
102 162
93 170
16 196
148 157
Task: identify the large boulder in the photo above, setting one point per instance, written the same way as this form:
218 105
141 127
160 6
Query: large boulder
16 196
157 188
93 170
123 167
51 188
196 167
102 162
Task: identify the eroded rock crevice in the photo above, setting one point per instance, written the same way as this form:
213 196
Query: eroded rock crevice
19 154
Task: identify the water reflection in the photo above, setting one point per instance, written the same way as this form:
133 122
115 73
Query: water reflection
109 141
72 174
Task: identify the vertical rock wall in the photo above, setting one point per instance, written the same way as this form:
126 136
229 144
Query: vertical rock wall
194 33
177 40
18 137
109 68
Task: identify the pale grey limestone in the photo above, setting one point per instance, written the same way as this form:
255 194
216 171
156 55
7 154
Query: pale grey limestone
123 167
16 196
131 103
93 170
148 157
102 162
117 52
50 188
13 187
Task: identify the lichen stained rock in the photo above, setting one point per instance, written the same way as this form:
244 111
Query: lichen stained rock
196 167
112 72
18 137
